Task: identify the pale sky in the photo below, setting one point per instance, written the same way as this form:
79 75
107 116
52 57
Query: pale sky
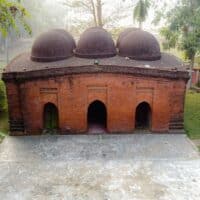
127 22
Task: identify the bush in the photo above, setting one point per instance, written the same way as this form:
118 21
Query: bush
2 135
3 102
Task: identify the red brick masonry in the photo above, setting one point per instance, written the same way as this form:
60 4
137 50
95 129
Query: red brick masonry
74 83
72 95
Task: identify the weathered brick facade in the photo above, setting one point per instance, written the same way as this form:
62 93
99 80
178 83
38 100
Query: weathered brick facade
72 95
72 84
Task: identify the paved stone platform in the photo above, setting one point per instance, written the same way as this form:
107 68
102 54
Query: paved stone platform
100 167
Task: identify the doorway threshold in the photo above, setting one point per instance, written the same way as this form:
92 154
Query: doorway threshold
97 129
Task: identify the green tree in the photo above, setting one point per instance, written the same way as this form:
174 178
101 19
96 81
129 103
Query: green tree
183 28
11 15
140 11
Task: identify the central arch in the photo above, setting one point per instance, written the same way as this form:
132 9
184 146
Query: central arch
97 117
143 116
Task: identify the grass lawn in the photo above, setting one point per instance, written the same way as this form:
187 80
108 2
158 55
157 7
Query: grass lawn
192 115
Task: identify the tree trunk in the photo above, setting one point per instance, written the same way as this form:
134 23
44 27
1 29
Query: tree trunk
94 12
140 25
99 13
7 50
190 73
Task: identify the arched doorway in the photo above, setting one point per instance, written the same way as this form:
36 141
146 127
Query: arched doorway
143 116
50 117
97 117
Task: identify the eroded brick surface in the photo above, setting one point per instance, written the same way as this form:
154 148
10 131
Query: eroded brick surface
72 95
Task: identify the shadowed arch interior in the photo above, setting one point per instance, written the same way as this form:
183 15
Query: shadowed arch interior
50 116
143 116
97 115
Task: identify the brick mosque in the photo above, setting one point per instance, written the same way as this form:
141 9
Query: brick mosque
95 85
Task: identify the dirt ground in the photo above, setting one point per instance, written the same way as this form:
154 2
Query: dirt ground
100 167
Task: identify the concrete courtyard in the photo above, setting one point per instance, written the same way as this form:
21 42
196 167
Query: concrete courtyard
99 167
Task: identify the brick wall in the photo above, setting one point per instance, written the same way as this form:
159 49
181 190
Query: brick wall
121 94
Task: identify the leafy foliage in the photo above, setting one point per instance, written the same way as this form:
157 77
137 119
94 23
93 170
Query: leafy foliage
3 103
11 15
140 11
183 28
171 38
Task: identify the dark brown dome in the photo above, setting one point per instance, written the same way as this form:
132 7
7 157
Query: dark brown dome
95 43
66 34
139 45
53 45
124 33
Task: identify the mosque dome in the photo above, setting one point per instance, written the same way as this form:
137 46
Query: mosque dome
139 45
56 44
124 33
95 42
